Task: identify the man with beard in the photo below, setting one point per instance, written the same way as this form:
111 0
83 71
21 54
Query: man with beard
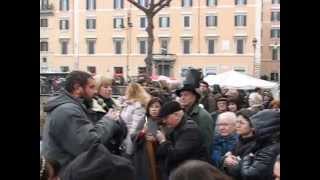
207 99
68 131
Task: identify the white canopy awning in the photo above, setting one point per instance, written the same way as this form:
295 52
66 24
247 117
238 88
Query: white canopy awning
236 80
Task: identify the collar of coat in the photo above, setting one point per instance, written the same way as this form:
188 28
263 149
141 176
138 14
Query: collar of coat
77 100
194 110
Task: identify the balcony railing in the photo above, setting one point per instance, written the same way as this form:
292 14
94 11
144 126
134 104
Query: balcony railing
47 9
164 57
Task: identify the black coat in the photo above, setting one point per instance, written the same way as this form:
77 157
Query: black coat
99 164
244 147
260 165
140 159
184 143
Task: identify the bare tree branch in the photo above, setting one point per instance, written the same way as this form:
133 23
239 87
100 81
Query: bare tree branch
159 3
161 7
142 8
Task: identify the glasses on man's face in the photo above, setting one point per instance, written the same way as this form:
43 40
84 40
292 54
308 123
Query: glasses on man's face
223 124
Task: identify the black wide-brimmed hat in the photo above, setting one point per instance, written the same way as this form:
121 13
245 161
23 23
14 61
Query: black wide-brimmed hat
188 88
169 108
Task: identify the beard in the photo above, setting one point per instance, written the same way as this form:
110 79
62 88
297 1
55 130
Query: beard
87 100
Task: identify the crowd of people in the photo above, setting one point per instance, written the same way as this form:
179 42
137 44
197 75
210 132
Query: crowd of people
192 132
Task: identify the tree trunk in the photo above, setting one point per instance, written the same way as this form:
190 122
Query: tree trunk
148 59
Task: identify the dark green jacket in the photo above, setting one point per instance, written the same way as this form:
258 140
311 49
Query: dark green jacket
205 123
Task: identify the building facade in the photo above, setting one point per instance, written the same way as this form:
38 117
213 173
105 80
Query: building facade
270 59
109 37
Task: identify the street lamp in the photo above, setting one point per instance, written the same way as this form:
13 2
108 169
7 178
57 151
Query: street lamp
254 44
129 25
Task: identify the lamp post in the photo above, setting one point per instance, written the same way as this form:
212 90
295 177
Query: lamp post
129 25
254 44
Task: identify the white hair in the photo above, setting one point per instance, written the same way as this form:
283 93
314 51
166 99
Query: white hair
255 99
230 116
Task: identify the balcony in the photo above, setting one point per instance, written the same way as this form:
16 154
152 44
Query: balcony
47 10
164 57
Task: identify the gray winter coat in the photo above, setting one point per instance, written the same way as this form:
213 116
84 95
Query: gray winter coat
68 132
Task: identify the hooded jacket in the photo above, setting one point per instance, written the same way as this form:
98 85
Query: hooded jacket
260 164
99 164
68 130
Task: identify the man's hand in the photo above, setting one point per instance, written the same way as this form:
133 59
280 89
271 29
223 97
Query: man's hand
113 115
160 137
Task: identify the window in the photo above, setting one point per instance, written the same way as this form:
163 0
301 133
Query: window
240 2
143 46
274 76
186 3
240 46
91 4
44 22
117 44
64 46
118 70
212 2
91 69
276 53
211 21
210 71
275 1
44 59
275 16
240 20
44 4
91 24
186 21
164 22
164 45
118 4
64 5
144 3
239 69
275 33
118 23
143 22
142 70
64 24
64 68
44 45
211 46
186 44
91 46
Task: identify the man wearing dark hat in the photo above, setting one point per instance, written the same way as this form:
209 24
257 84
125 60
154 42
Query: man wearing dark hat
207 99
184 142
222 106
189 99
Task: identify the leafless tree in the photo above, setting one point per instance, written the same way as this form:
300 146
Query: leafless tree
151 8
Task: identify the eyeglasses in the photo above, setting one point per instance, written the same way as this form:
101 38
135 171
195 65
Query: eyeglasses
223 124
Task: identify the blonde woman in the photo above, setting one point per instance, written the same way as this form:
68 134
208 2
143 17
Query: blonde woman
102 101
134 110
